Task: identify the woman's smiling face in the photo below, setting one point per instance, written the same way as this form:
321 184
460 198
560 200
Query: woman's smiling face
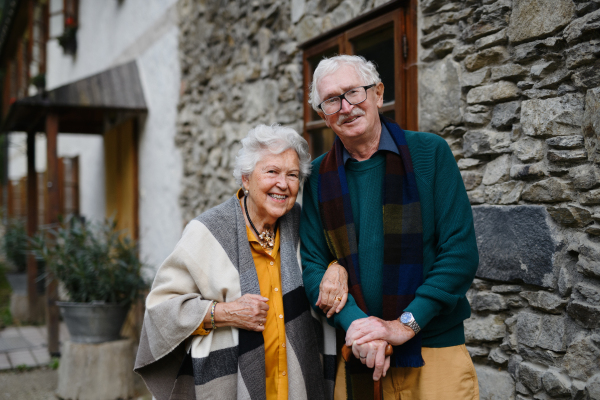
273 185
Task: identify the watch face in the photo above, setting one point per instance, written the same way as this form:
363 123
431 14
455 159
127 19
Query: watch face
405 318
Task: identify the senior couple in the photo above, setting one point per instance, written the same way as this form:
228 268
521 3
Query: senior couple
387 251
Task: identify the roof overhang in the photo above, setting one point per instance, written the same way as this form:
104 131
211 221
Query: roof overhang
83 106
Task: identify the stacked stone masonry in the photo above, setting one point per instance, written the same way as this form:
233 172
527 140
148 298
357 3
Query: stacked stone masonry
514 88
527 144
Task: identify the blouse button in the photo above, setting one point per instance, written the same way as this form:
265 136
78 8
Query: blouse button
280 316
276 289
271 263
283 373
283 345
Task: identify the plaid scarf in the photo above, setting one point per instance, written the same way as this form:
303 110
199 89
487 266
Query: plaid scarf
402 234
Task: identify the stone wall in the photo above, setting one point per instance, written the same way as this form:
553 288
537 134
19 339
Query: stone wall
513 86
240 67
524 124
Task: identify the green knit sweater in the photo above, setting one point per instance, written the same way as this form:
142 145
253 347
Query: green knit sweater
450 255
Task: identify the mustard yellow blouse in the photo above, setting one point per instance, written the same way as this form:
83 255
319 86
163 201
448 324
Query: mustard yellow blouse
268 267
269 279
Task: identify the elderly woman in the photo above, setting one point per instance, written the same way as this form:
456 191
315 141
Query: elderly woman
227 316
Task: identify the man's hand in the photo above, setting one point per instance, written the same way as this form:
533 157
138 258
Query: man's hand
372 328
372 354
333 290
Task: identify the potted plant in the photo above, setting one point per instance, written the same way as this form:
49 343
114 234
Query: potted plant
100 270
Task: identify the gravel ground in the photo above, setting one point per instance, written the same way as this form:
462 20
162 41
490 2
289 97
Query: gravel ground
40 384
37 384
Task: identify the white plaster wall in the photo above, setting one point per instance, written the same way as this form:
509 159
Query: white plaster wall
160 165
17 155
90 149
112 33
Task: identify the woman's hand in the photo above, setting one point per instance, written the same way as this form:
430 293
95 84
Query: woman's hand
372 354
333 290
248 312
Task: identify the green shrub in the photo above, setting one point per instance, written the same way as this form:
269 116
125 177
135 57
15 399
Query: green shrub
5 291
23 368
95 262
15 244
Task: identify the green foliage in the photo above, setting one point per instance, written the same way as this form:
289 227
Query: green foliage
5 316
94 262
54 363
5 291
15 244
39 81
68 40
23 368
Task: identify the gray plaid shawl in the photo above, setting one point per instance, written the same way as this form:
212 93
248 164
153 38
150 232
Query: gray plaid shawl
213 261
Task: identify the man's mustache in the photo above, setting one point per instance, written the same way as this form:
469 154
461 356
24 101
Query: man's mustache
356 112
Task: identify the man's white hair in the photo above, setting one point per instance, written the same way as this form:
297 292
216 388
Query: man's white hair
274 139
365 69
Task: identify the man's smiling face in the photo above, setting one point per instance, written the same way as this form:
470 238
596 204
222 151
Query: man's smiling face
352 120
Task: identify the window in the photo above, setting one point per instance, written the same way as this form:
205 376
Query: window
68 184
25 63
39 37
386 40
64 22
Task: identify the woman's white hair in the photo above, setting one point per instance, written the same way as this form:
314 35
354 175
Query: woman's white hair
365 69
274 139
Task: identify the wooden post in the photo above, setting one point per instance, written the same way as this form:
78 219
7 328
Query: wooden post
52 218
32 223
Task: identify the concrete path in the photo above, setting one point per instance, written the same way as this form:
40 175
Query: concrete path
26 346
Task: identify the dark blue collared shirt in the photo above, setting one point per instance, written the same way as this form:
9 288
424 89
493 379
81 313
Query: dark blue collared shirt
386 143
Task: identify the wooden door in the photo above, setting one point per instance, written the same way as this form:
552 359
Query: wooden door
120 157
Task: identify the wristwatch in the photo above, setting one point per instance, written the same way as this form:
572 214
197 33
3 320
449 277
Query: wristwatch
407 319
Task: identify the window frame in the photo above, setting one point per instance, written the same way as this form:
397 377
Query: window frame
403 16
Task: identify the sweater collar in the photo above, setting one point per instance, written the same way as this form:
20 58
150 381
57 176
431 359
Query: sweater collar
386 143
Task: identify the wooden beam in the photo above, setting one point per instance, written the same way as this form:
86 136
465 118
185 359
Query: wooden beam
52 218
32 224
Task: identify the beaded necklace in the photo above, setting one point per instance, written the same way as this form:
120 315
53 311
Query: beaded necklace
266 238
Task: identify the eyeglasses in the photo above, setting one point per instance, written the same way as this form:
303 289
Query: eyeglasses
353 97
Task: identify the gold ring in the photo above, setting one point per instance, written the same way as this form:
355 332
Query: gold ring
338 298
260 324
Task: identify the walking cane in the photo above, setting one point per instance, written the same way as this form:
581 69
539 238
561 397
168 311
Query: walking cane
377 390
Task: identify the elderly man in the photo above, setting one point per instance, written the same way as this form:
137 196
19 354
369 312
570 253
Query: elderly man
385 211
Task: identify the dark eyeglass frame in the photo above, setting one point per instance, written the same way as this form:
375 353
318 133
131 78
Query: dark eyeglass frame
342 97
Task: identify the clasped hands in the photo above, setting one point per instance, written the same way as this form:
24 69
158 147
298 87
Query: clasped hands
368 336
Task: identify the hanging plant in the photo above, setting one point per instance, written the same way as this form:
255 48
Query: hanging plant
39 81
68 39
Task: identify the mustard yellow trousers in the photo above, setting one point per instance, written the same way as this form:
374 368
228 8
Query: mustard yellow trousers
448 374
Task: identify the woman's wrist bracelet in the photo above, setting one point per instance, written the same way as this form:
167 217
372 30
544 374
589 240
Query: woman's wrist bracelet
212 314
333 262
